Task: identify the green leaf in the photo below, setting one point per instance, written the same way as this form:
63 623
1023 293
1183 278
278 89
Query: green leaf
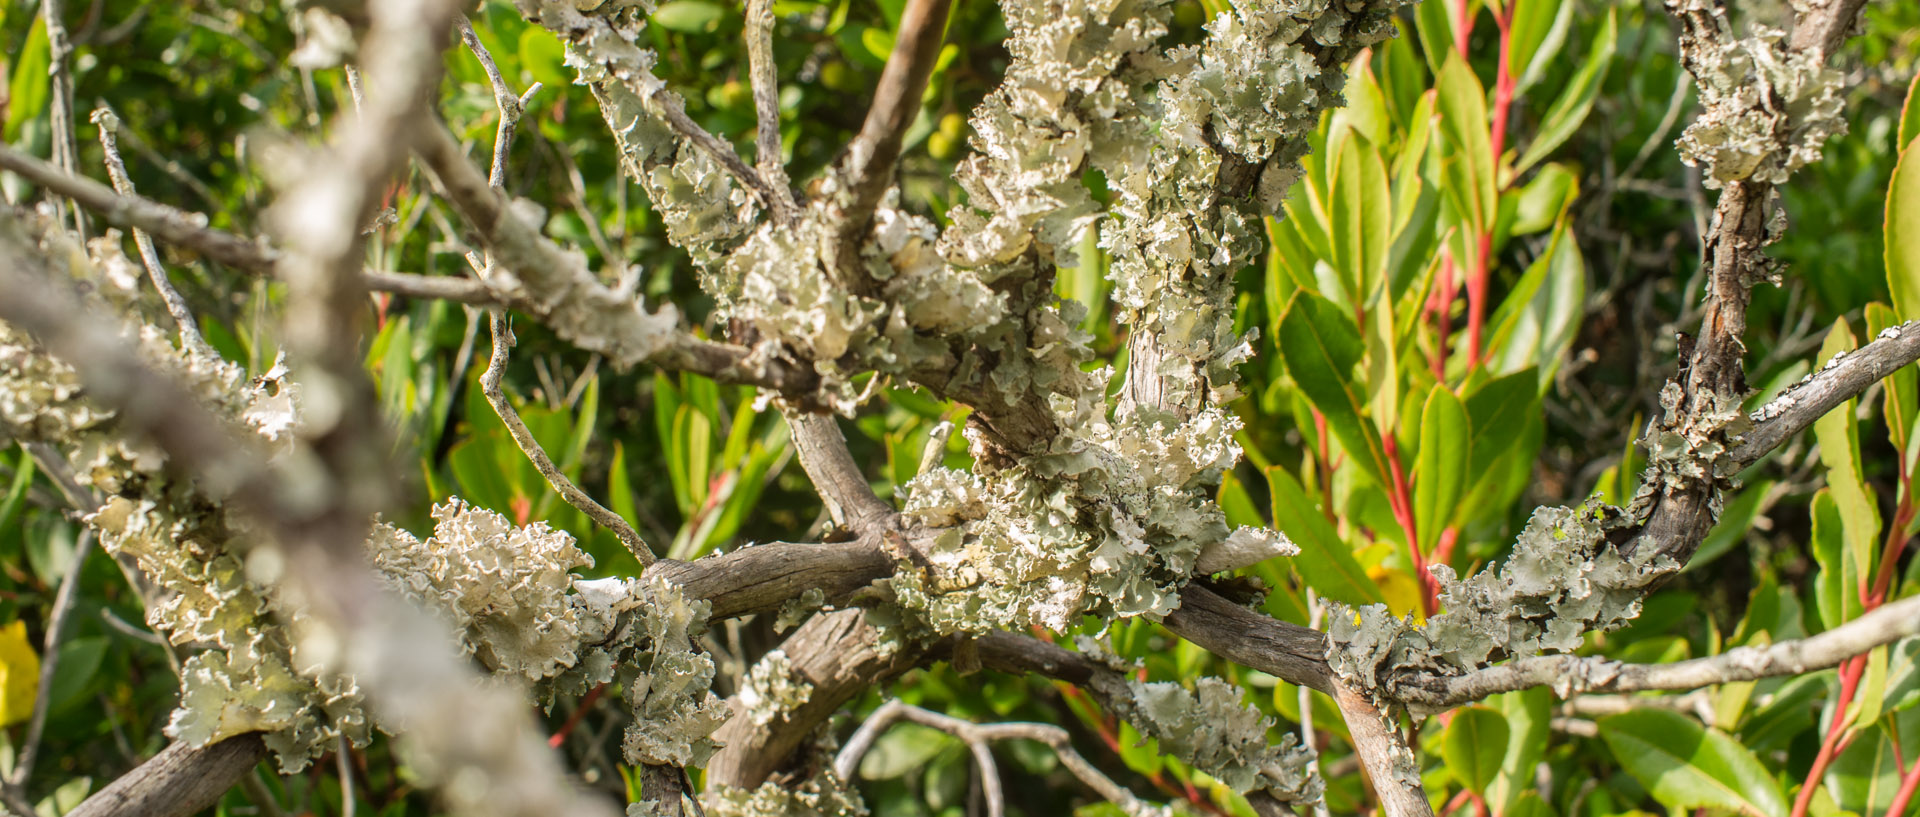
79 662
1902 226
1537 322
1325 562
1902 402
688 16
1838 433
1474 746
1499 409
31 81
1545 199
1362 211
1467 154
1864 778
1539 29
1836 588
1440 474
906 747
1529 715
1684 765
544 57
1909 116
1434 26
1321 348
1574 103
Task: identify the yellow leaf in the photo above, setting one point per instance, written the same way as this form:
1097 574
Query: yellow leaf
1401 592
19 673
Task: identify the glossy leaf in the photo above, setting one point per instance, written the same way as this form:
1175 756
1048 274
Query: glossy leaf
31 83
1685 765
1838 433
1325 562
1467 151
1474 746
1576 100
1539 29
1902 229
1322 348
1362 213
1441 474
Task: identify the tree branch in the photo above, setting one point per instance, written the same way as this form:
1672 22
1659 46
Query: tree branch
179 781
823 454
1569 674
976 736
190 338
766 107
517 428
536 276
1844 378
866 170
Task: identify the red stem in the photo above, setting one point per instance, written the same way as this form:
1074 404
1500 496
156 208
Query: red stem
1908 785
1465 28
586 702
1402 501
1441 304
1849 683
1503 85
1890 552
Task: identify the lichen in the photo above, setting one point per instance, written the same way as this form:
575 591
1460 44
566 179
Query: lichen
772 689
1111 522
675 712
1212 730
796 609
1563 580
822 795
1765 110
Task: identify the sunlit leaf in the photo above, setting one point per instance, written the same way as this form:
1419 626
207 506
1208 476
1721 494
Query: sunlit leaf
1685 765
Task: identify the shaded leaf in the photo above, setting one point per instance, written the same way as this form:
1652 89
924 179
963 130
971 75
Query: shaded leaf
1686 765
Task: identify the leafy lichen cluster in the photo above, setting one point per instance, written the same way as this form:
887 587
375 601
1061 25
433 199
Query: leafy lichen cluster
1563 580
675 712
1111 523
822 795
772 688
1210 729
1765 110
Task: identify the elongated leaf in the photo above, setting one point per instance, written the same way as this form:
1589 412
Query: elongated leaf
1529 717
1909 117
1475 745
1441 474
31 81
1467 151
1902 228
1836 594
1537 322
1838 433
1574 103
1864 778
1362 210
1325 562
1685 765
1321 348
1539 30
1902 387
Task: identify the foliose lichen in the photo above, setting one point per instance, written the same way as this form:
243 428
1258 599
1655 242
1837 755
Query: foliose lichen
1765 110
1210 729
822 795
675 712
1563 580
772 688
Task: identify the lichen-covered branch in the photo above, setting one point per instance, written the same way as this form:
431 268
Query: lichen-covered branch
865 171
1570 675
108 125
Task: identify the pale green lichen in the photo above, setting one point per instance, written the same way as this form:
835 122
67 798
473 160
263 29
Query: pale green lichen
1210 729
1110 523
822 795
772 689
1765 110
503 588
675 712
797 609
1564 579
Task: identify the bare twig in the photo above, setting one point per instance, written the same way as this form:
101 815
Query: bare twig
1843 378
66 143
766 106
977 736
179 781
866 169
190 338
63 601
1384 754
490 386
511 107
823 453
